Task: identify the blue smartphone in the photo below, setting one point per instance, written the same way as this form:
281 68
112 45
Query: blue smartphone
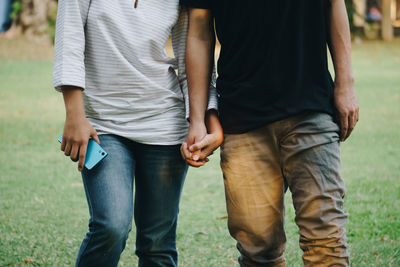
94 153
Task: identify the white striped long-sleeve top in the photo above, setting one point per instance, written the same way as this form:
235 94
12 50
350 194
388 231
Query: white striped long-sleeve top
116 53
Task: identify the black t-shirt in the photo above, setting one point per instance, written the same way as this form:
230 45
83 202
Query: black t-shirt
273 61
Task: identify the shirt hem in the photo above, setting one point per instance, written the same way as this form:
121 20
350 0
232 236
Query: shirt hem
193 5
272 120
144 142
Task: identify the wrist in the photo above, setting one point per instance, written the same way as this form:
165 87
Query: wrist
70 113
73 101
197 124
74 109
196 119
344 81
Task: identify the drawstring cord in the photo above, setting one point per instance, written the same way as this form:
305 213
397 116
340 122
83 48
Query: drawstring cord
136 3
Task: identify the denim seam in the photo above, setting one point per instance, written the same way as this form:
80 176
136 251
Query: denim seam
90 238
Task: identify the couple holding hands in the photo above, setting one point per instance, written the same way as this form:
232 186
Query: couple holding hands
274 107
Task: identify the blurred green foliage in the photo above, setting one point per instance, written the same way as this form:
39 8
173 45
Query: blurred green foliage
16 8
350 12
52 23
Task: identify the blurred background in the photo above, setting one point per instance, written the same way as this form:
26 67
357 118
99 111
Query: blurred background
43 210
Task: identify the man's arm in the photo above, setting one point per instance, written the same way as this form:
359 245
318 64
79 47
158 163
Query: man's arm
199 61
199 64
339 42
179 37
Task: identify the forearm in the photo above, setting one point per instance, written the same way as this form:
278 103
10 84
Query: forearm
339 42
77 129
199 62
73 101
212 122
345 100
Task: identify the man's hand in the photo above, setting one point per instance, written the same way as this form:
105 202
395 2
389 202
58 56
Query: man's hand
77 129
347 109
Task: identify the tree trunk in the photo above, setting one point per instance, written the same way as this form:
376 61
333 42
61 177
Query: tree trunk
33 20
387 27
360 7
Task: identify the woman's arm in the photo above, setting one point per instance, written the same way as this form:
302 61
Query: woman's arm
77 129
69 77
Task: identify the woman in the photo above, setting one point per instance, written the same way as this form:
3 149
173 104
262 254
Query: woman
121 89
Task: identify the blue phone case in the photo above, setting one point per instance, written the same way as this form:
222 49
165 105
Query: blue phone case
94 153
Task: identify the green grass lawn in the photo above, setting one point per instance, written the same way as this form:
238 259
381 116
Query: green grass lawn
43 210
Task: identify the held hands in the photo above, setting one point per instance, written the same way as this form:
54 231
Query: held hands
199 143
197 132
347 109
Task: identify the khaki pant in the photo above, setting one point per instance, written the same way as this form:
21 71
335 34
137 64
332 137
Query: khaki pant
300 152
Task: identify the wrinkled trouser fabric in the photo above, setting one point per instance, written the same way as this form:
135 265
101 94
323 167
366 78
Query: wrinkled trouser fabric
301 153
158 173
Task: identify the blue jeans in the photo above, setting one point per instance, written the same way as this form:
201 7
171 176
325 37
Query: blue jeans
159 173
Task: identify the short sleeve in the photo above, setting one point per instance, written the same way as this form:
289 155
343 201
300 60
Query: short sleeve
203 4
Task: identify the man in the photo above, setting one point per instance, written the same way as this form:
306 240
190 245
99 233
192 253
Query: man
283 118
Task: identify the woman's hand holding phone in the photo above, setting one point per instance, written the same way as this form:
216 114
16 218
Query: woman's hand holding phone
77 129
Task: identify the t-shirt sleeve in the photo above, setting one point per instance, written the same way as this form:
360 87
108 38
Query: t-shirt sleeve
204 4
69 48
